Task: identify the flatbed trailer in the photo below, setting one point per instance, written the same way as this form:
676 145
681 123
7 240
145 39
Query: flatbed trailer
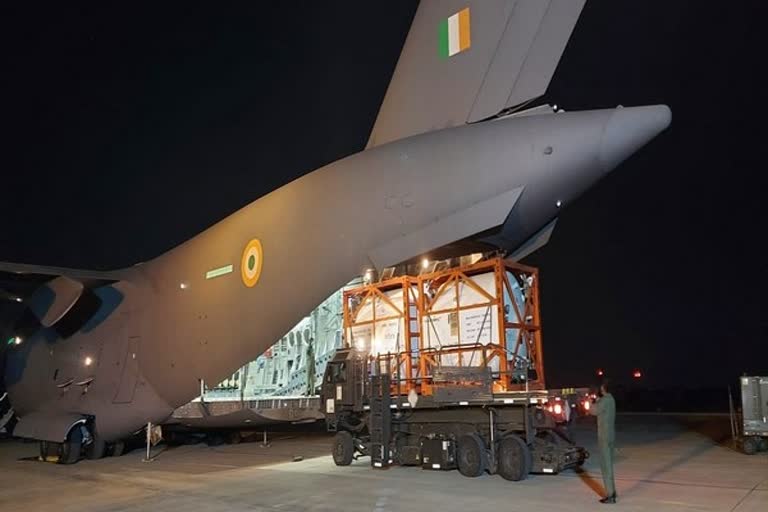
445 370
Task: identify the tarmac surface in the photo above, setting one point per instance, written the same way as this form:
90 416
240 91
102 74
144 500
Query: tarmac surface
664 463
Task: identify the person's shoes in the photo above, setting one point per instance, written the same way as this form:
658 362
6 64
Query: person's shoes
609 499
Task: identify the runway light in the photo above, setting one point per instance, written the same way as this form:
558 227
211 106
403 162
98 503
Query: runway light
559 203
599 372
88 361
183 286
15 340
19 299
637 374
424 263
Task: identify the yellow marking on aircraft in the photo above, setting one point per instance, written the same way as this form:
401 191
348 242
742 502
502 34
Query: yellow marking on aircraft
251 262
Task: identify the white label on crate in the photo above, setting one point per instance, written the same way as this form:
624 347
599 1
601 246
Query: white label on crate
330 406
338 392
435 466
548 470
463 403
366 407
406 404
509 400
445 445
393 406
377 464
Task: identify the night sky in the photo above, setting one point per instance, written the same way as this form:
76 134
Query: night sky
128 129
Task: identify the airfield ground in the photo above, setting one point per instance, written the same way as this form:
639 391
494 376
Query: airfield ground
664 463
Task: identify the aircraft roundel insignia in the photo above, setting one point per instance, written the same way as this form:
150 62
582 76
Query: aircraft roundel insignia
250 263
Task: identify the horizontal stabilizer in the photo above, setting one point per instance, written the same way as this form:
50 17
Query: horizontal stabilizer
456 226
536 242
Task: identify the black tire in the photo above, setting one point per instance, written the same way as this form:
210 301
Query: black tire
343 448
172 438
44 450
750 445
762 444
515 459
214 439
234 437
69 450
96 449
471 456
118 449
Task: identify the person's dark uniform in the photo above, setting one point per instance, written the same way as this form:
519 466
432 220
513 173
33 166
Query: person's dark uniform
605 410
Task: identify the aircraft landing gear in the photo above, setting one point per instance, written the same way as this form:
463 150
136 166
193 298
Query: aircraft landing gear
67 452
117 448
96 449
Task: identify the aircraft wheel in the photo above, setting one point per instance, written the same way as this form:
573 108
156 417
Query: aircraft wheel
69 450
45 446
214 439
750 445
343 448
471 456
97 449
118 448
514 459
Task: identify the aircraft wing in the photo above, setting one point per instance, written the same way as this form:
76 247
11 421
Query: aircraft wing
84 276
467 60
18 280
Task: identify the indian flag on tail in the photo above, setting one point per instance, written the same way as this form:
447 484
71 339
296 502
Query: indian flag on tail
454 34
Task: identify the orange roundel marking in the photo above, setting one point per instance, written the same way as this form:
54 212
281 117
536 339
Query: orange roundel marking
251 262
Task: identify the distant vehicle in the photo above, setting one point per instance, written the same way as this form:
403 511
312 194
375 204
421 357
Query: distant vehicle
751 427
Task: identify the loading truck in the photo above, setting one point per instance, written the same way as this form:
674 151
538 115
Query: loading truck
444 370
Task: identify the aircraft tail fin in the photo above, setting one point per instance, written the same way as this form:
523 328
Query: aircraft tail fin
467 60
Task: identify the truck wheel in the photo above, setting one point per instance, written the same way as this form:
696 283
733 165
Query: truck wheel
343 448
749 445
471 456
514 459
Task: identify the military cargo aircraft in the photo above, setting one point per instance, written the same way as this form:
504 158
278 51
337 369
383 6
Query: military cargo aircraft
457 162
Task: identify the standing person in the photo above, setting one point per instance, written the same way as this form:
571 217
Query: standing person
605 410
